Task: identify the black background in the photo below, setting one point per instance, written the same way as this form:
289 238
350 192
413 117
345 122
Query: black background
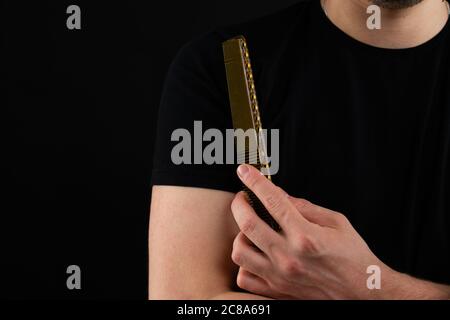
79 119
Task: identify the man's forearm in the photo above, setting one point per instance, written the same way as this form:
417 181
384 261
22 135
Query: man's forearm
397 286
404 287
401 287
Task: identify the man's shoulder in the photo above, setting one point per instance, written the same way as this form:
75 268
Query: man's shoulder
269 27
264 34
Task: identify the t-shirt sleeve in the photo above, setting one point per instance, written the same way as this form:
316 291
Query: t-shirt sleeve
195 91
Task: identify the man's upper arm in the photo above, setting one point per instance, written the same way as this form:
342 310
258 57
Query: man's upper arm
190 242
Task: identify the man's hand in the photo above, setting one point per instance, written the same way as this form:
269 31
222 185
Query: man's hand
318 254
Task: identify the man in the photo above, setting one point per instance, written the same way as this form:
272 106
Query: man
364 120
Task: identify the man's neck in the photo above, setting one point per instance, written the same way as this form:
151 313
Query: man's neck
400 28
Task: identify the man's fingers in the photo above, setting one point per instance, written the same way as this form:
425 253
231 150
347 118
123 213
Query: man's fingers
247 256
273 198
250 282
255 229
317 214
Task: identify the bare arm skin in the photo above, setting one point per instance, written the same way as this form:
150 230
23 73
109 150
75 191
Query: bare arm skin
190 242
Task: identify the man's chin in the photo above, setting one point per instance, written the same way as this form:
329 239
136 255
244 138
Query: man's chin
396 4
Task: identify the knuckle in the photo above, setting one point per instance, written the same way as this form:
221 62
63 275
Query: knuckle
248 226
302 203
305 245
237 256
340 218
291 267
236 203
273 202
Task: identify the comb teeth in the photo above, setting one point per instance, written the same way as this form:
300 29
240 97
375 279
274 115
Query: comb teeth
260 210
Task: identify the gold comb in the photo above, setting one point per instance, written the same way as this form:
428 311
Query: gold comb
245 115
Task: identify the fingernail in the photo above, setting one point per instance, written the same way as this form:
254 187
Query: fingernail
242 171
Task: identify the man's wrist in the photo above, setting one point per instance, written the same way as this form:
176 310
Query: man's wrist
400 286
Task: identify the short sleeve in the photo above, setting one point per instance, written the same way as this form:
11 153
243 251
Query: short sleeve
195 95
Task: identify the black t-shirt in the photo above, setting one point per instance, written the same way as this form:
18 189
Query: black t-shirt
363 130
